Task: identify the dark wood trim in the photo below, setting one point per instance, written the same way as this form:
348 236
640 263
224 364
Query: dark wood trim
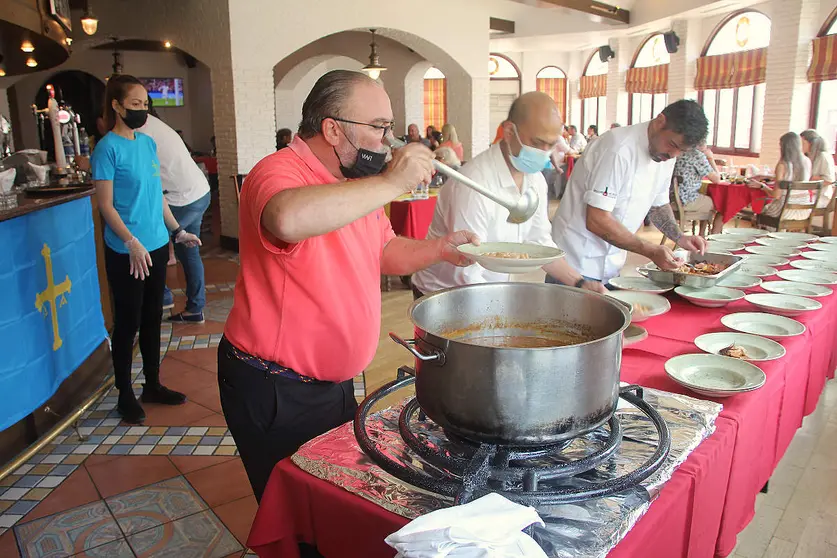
600 9
731 150
815 106
739 152
28 204
828 22
723 22
589 59
551 66
502 25
229 243
516 68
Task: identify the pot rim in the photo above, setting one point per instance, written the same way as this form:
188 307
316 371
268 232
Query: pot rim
609 300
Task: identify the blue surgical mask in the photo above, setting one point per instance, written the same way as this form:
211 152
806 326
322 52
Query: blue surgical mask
531 159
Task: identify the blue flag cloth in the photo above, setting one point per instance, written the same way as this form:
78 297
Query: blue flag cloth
51 314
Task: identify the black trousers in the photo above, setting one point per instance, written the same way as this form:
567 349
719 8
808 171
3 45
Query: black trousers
137 305
270 416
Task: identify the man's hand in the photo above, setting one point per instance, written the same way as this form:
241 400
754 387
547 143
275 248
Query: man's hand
449 244
594 286
664 258
692 243
411 165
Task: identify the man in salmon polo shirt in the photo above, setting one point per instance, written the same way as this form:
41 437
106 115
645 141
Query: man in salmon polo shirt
307 310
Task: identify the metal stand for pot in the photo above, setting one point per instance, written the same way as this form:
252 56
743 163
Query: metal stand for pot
506 470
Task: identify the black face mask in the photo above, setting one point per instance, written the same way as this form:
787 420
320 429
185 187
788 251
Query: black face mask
367 163
135 118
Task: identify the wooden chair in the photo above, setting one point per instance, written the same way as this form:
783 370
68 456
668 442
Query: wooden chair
782 223
238 180
683 215
827 214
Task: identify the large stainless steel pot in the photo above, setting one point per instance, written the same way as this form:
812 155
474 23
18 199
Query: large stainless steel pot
517 396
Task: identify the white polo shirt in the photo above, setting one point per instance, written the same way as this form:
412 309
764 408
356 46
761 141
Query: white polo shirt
615 174
183 181
461 208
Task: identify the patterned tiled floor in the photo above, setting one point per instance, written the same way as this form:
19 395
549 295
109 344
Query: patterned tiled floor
139 514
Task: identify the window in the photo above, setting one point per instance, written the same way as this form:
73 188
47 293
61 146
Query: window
824 98
435 98
647 104
553 81
735 110
594 107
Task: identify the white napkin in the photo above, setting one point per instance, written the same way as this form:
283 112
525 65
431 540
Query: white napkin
7 180
490 527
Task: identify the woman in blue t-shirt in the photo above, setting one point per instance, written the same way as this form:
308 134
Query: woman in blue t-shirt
138 223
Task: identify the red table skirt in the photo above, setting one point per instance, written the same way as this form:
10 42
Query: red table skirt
412 218
729 199
700 511
210 162
570 166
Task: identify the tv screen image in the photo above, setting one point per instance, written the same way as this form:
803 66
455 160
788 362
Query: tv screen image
165 92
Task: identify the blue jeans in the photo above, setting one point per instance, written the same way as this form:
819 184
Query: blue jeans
190 217
553 281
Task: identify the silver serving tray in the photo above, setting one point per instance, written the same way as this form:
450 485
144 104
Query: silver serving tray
691 280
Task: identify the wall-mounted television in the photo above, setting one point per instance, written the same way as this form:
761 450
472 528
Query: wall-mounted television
165 92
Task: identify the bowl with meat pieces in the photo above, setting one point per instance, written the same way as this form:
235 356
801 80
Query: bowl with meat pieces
742 346
511 257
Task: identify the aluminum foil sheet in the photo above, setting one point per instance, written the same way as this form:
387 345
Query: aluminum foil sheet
585 529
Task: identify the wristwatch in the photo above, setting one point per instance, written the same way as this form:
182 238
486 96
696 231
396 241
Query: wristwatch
580 283
176 232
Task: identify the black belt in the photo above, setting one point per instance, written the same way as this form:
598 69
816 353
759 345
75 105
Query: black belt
268 366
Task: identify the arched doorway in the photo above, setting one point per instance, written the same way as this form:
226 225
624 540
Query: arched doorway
83 92
505 86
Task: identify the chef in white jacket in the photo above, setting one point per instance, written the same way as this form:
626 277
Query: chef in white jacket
622 177
509 167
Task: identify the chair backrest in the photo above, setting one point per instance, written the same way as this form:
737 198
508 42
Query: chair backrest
238 180
814 186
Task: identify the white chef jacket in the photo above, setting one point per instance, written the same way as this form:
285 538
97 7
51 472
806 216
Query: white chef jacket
183 181
615 174
461 208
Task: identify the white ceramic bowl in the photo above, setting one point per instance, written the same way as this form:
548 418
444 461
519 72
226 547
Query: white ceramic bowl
815 265
823 247
756 270
783 244
757 348
828 239
777 251
712 297
739 281
796 289
714 375
641 284
539 256
804 237
715 245
805 276
784 305
643 305
761 323
771 261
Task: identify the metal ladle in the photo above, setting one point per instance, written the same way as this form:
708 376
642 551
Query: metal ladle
520 210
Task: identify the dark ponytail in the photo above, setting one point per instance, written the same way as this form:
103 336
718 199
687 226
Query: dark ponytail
117 89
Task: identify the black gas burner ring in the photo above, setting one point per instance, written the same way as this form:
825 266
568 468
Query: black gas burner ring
500 469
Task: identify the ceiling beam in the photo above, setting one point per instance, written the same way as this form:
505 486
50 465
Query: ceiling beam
501 25
600 9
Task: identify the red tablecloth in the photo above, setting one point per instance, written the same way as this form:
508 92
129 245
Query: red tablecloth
412 218
729 199
708 501
570 166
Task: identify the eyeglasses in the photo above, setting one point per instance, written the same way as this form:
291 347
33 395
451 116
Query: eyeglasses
385 128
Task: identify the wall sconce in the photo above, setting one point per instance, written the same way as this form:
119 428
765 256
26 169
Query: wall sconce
27 46
89 22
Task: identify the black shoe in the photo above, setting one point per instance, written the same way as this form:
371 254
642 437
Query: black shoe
161 394
130 409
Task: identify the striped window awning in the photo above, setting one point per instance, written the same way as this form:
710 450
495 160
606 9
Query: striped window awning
555 88
728 71
652 79
592 86
824 62
435 102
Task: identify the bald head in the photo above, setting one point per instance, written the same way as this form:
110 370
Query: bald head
536 119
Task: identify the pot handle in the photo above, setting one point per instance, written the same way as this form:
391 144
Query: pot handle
408 344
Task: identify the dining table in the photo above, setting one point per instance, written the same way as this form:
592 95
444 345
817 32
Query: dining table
698 513
411 216
730 198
